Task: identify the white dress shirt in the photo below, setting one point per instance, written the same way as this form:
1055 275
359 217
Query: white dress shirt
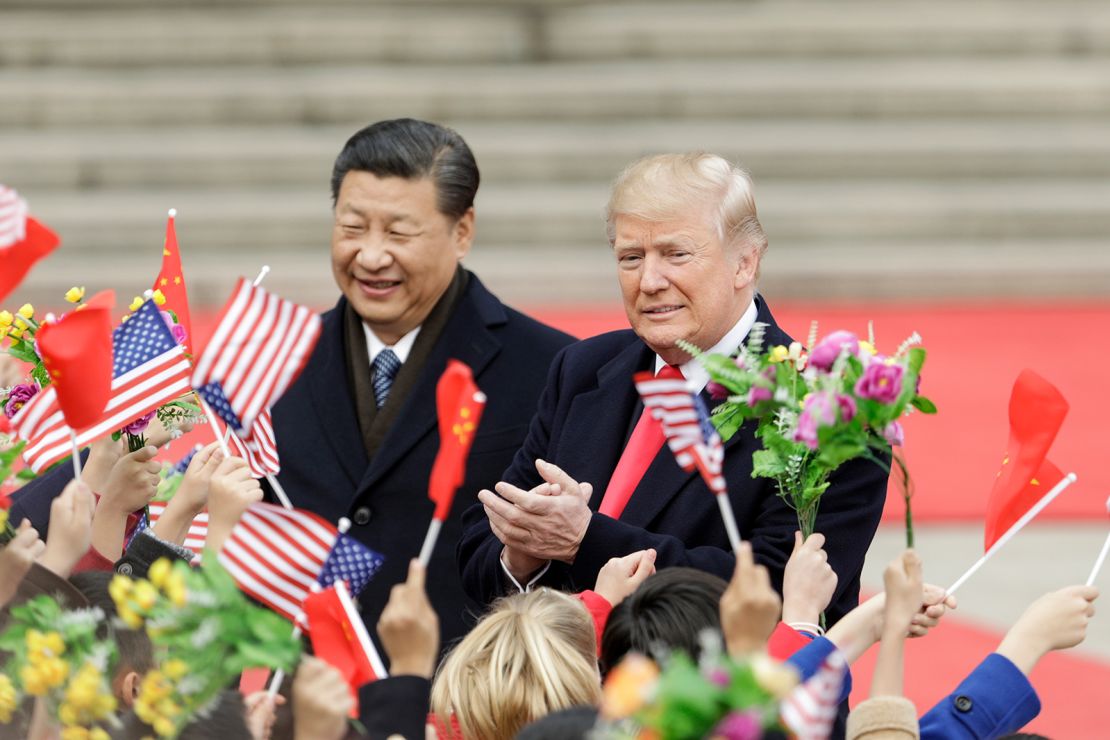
374 346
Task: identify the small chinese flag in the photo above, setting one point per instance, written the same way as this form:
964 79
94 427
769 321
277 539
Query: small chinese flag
171 281
459 405
77 353
339 638
1037 411
23 241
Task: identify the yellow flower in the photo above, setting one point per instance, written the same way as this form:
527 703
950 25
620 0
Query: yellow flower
33 681
16 333
175 589
868 347
8 699
159 298
779 353
99 733
3 517
145 596
158 572
26 310
129 617
75 733
136 303
5 319
163 727
119 588
628 686
175 668
75 294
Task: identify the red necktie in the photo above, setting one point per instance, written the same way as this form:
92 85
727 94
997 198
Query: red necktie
642 447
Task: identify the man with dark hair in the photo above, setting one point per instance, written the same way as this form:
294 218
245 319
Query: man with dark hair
357 432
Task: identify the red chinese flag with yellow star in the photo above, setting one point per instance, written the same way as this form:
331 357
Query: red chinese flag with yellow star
459 404
23 241
1037 411
77 353
171 281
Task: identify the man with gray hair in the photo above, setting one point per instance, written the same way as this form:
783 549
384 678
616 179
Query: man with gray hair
687 243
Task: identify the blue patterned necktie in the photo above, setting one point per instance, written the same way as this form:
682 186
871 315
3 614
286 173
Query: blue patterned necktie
385 367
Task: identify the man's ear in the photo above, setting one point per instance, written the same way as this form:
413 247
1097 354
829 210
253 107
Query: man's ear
128 690
463 233
747 266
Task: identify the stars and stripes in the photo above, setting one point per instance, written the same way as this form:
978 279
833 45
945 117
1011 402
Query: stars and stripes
278 556
259 347
810 709
198 530
149 369
686 426
258 447
13 217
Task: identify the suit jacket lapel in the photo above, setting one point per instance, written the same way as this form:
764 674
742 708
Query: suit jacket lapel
332 398
466 337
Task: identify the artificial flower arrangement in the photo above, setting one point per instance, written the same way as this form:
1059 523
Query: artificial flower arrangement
55 655
841 401
205 633
20 330
721 698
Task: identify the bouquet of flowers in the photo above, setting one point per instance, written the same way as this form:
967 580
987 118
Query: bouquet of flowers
843 400
205 633
722 698
56 655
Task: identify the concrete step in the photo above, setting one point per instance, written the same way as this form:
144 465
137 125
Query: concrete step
525 216
734 90
566 152
586 275
281 34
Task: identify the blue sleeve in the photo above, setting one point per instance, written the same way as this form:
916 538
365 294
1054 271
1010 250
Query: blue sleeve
995 699
809 659
33 500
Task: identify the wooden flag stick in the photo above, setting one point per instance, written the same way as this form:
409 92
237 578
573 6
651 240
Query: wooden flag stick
1014 529
430 542
76 455
279 675
730 521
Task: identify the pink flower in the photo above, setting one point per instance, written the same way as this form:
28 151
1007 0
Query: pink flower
758 394
18 397
893 433
847 407
828 349
178 331
139 426
820 410
880 382
739 726
717 391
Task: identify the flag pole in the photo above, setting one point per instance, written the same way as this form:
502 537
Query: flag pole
1013 530
1101 555
342 525
76 455
215 424
430 541
730 521
280 492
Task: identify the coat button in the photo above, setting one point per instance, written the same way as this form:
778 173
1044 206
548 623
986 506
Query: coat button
362 516
124 569
963 704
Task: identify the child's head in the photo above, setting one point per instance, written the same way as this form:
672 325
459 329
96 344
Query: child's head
225 719
531 655
136 655
669 610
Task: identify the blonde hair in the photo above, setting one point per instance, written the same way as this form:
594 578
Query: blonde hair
665 186
533 654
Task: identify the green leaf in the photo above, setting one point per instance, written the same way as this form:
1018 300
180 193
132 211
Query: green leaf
924 405
917 359
767 464
24 351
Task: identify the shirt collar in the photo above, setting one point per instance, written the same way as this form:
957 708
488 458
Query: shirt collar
696 375
402 348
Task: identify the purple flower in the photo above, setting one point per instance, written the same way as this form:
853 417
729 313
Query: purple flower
847 407
18 398
828 349
179 333
893 433
138 426
819 411
718 677
880 382
717 391
739 726
757 394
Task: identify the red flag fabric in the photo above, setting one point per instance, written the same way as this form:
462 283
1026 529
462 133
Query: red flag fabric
339 638
23 241
171 281
77 353
459 405
1037 411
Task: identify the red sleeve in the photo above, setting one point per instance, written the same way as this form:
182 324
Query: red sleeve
785 641
599 608
93 560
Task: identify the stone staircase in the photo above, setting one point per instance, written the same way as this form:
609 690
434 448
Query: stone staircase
900 149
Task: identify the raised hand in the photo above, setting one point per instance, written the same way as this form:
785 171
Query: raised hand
131 485
16 559
618 578
70 533
231 491
750 607
322 701
191 496
409 627
808 582
1056 621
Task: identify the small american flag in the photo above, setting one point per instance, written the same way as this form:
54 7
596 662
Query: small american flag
810 709
13 217
259 347
149 368
258 447
278 556
198 530
686 426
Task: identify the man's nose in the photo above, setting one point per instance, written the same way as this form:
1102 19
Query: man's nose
653 278
373 255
